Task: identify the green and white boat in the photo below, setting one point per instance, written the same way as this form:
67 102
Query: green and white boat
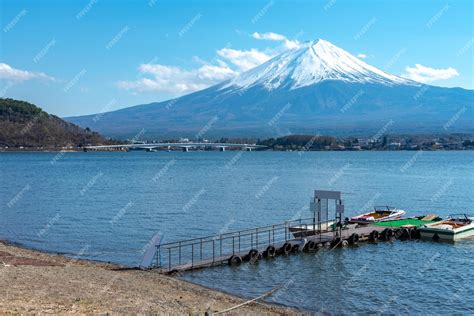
454 228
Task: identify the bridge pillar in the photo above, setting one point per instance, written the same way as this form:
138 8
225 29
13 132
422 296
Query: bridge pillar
185 149
248 148
222 148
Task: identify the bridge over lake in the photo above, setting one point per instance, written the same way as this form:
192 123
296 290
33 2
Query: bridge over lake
184 146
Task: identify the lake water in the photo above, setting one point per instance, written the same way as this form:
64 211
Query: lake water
107 206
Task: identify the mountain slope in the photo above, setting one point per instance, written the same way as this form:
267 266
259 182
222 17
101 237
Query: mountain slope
24 124
316 88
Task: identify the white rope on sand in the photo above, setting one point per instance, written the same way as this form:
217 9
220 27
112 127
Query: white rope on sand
247 302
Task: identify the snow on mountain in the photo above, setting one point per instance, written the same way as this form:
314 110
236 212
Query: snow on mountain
310 64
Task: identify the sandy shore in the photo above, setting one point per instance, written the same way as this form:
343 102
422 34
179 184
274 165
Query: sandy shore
32 282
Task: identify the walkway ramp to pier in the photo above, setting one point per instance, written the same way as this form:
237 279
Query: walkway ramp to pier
212 250
260 241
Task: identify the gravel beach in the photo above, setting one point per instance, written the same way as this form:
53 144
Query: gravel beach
33 282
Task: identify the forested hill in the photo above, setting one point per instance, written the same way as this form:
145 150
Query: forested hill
24 124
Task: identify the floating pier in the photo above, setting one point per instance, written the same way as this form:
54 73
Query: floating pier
302 235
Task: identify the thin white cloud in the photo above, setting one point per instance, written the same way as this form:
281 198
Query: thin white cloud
175 80
244 59
271 36
362 56
425 74
9 73
291 44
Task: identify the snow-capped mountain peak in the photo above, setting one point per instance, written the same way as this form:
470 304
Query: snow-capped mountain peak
310 64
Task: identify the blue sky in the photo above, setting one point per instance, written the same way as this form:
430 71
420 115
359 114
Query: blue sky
89 56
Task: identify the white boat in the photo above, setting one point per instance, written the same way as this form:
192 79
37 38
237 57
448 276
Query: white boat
304 230
379 214
452 229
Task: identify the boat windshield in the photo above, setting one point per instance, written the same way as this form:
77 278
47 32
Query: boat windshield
383 208
461 217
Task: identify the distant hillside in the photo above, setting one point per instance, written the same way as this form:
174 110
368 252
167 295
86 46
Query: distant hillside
24 124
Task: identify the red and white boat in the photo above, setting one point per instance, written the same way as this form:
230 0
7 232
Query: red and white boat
379 214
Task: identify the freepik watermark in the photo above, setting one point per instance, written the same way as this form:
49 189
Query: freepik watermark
382 131
339 174
266 187
234 160
262 12
280 113
411 161
206 127
190 24
437 16
18 196
309 144
193 200
137 136
465 48
91 183
105 109
7 87
395 58
44 51
224 229
454 118
421 92
352 101
86 9
121 213
365 28
371 202
74 80
48 226
15 21
29 125
442 190
163 170
117 37
329 5
58 157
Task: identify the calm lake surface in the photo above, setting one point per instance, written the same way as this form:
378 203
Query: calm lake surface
107 206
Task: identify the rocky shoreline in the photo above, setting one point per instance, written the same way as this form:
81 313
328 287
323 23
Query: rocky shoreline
34 282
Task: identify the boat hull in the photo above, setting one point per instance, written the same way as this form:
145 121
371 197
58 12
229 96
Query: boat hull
366 222
378 215
427 233
309 230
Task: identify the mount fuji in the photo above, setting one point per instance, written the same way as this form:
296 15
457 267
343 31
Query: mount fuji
311 64
316 88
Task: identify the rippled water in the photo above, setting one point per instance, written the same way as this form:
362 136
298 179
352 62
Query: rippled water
107 206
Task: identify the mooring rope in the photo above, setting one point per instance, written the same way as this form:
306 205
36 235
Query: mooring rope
245 303
336 245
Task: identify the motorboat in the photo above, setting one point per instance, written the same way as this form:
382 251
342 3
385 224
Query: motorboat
453 228
379 214
304 230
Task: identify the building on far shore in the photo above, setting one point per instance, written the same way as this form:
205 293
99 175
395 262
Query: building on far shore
394 146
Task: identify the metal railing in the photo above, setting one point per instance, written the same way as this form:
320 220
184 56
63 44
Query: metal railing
217 248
